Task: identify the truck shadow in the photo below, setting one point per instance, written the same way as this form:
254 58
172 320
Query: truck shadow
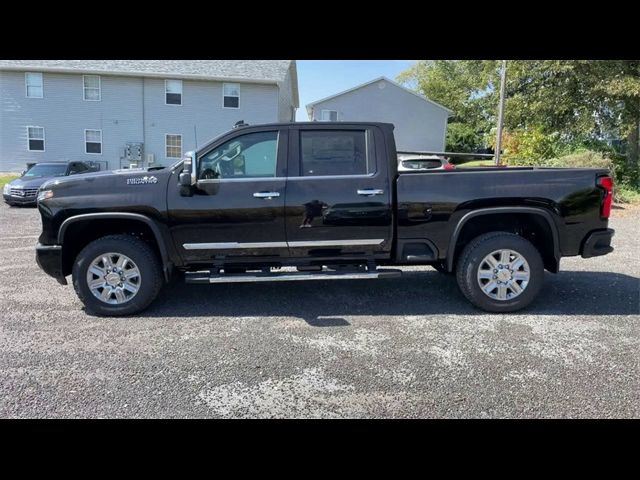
327 303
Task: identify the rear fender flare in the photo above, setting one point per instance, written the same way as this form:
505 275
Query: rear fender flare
489 211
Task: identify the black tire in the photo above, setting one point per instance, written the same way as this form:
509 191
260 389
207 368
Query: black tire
472 257
442 268
141 254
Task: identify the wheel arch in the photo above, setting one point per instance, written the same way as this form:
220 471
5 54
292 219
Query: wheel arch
158 238
552 264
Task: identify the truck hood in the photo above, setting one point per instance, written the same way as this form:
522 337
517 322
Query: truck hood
117 190
106 177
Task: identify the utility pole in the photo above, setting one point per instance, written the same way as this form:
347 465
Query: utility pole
503 81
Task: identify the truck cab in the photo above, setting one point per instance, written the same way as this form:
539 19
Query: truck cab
286 193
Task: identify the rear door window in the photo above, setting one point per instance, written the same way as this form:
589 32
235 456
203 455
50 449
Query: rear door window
334 152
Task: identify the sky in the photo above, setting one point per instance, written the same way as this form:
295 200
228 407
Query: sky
322 78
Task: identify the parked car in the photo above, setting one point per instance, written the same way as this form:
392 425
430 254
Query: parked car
24 190
409 163
326 199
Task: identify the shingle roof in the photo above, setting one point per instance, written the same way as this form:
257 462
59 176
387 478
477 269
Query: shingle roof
242 69
260 71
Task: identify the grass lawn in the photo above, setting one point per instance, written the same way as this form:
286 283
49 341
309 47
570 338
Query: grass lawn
477 163
4 179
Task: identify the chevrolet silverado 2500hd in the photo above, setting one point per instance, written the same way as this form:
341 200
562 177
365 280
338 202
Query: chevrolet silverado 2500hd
316 201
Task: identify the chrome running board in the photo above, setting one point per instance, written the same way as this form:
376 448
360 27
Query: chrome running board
209 277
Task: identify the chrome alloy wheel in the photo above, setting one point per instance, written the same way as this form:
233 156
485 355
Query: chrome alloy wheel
113 278
503 275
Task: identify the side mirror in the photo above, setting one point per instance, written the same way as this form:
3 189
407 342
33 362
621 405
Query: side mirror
190 169
22 173
187 178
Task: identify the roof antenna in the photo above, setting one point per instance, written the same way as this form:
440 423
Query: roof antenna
240 124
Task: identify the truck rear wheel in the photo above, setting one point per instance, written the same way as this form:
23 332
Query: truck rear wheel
500 272
117 275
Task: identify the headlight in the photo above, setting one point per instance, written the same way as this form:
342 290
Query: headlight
6 189
44 194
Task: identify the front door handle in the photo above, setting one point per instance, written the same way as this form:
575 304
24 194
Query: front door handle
370 192
266 194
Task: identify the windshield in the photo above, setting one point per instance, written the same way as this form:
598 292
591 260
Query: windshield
46 171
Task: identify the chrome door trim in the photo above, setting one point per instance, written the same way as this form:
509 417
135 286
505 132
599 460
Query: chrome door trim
232 245
266 194
369 192
337 243
316 243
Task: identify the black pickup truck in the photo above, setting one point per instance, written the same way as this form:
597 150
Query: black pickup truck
316 201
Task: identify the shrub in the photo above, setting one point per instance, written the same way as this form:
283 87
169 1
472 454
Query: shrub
581 159
624 193
530 147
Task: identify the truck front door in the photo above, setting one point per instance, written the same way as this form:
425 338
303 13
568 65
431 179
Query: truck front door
241 212
338 193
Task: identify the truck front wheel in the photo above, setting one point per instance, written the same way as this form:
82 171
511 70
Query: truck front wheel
500 272
117 275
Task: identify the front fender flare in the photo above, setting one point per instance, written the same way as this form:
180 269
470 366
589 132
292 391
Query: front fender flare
160 238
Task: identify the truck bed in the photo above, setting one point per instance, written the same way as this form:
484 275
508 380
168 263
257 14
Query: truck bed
431 203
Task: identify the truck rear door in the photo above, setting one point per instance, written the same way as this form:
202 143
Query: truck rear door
338 201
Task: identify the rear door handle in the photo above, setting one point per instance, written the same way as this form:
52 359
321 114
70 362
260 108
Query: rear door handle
266 194
369 192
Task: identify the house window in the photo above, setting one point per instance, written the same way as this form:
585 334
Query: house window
91 85
93 141
33 83
173 145
173 92
231 95
329 116
35 137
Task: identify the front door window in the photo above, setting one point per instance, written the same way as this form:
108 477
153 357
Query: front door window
253 155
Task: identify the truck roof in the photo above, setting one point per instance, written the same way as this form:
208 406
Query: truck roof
315 124
385 126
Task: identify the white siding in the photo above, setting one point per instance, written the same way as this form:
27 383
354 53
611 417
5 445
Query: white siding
419 124
286 113
65 115
201 116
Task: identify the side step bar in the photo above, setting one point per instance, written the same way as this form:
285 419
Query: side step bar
207 277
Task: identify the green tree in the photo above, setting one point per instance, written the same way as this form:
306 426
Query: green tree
584 101
465 86
563 104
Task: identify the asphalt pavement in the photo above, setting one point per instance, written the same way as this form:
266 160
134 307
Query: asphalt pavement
408 347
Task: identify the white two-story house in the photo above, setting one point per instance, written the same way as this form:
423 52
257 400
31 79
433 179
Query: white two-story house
119 113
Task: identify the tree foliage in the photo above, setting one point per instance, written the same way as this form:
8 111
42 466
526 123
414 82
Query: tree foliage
552 107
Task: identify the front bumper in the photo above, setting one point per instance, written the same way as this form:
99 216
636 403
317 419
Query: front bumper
49 259
19 200
597 243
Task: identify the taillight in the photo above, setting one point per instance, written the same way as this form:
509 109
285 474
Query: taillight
449 166
607 184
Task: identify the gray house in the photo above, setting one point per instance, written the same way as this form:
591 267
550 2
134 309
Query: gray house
421 124
130 112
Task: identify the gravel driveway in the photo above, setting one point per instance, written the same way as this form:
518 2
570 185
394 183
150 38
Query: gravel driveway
410 347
